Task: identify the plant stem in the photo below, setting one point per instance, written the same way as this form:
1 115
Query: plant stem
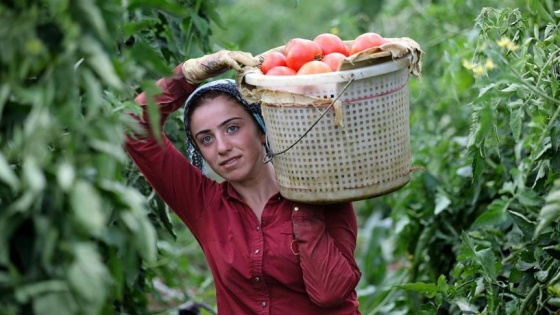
528 298
531 87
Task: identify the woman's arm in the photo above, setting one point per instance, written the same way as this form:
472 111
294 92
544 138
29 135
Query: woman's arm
326 243
163 166
177 182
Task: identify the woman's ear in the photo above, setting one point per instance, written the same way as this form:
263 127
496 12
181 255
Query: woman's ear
263 138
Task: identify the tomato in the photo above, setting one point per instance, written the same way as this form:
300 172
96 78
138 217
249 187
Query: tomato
281 70
302 41
330 43
366 41
299 51
271 60
314 66
333 60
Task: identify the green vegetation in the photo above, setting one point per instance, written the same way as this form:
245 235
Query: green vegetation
475 232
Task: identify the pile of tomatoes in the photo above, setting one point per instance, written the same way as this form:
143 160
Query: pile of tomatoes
320 55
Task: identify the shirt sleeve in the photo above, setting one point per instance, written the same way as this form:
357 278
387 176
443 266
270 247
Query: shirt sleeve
326 243
167 170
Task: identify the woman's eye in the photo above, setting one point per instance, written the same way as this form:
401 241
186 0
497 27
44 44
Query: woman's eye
205 140
232 129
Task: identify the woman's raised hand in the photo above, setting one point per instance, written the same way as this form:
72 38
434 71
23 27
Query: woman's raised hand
199 69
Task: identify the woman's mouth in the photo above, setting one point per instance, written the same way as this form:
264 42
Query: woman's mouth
229 162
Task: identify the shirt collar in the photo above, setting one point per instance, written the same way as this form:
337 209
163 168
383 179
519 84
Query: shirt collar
229 192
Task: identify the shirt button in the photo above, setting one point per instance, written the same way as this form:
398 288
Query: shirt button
257 279
257 251
258 228
296 208
263 304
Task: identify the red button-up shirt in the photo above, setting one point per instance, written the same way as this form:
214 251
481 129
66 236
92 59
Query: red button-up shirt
297 260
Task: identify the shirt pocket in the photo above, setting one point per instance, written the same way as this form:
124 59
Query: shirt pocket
281 263
283 244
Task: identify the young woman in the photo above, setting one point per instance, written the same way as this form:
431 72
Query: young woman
268 255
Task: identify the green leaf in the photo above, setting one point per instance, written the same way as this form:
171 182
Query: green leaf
529 198
94 94
147 241
65 175
60 303
484 257
550 212
488 260
494 215
26 292
465 307
149 57
165 218
33 175
87 208
478 163
442 202
100 62
109 148
553 251
516 122
88 276
4 93
525 225
136 27
90 12
542 167
7 175
511 88
428 289
537 8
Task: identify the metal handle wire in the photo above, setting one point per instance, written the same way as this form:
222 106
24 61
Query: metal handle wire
270 154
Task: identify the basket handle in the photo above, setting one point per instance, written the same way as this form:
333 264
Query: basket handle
270 154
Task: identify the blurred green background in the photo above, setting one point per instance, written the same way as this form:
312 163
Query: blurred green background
475 231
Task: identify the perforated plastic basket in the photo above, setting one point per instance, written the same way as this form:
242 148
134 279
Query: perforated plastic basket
366 157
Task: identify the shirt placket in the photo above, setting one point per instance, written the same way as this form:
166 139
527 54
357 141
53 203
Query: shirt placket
256 269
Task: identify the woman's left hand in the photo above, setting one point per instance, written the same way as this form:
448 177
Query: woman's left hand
197 70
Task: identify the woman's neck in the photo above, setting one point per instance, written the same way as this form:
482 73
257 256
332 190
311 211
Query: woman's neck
257 191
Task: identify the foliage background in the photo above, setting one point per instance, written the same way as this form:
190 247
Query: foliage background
476 232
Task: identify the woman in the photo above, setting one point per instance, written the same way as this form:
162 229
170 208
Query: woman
268 255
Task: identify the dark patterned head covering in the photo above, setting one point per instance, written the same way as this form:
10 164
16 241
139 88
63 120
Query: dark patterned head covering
229 87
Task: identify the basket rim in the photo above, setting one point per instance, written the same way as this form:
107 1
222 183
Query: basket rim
261 80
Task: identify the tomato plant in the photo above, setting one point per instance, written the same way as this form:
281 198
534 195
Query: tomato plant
281 70
313 67
333 60
299 51
366 41
330 43
271 60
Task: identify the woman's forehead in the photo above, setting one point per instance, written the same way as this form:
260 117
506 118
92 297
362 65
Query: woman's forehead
210 114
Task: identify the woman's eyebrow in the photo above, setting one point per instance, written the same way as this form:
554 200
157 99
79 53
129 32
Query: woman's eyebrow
225 122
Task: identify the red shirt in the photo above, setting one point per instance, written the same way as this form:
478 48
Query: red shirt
298 260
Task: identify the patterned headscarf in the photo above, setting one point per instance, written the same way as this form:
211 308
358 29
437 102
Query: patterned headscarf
224 85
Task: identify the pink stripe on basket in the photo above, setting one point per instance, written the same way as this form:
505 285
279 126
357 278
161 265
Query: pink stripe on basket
351 100
379 95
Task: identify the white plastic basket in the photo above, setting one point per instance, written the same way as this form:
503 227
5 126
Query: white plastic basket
366 157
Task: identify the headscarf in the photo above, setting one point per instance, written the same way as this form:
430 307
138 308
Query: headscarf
229 87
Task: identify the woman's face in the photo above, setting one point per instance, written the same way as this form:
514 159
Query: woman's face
228 138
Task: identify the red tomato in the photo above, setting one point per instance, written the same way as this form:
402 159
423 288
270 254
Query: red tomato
299 51
281 70
330 43
366 41
271 60
314 66
298 41
333 60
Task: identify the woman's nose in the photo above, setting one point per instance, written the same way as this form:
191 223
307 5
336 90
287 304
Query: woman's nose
222 144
